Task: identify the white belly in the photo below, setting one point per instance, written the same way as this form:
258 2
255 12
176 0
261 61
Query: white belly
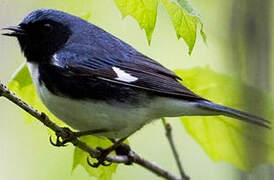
83 115
120 119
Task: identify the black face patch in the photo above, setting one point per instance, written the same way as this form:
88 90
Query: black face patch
43 38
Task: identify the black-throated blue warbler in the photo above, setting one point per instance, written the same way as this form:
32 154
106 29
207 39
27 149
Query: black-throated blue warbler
93 81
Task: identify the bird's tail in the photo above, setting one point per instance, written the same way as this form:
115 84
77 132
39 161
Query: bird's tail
230 112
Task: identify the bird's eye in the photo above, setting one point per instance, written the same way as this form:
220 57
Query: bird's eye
47 27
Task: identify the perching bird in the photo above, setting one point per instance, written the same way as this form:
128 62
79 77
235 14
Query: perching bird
95 82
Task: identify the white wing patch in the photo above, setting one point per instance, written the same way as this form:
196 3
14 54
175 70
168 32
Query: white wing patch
55 60
123 76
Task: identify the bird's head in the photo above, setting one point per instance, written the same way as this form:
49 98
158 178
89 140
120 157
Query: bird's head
43 32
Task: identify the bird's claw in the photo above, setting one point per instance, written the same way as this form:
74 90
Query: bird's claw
58 143
63 137
101 160
97 164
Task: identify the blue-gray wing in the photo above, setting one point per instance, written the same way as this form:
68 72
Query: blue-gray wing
132 70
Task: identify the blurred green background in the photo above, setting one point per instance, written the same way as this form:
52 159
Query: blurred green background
239 42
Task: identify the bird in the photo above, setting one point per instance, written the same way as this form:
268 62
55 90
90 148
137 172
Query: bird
95 82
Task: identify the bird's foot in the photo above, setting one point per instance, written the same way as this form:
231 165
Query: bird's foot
124 150
101 160
63 137
121 150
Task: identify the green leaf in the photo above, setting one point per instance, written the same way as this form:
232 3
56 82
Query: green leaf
80 158
22 85
185 20
226 139
186 5
21 76
144 11
183 16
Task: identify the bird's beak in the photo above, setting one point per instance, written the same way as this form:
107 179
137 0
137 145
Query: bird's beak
15 31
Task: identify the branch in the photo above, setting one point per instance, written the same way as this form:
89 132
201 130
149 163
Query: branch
173 148
42 117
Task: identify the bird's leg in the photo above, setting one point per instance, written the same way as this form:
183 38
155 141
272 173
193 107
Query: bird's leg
68 135
105 152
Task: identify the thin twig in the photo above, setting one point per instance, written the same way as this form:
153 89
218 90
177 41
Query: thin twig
173 148
42 117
